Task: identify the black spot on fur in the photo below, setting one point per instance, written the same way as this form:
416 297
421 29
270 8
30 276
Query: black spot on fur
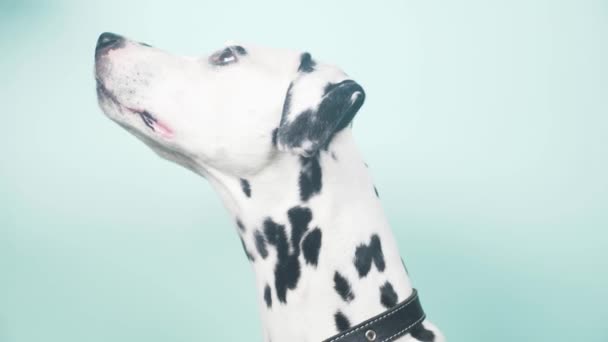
333 156
299 217
246 187
275 235
274 136
249 255
310 178
388 296
287 268
240 225
376 191
311 246
306 63
343 288
287 274
267 296
365 254
260 244
271 231
420 333
342 322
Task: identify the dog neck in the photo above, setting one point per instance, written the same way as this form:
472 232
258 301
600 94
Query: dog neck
319 242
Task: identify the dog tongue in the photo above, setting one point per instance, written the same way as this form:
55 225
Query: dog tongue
163 129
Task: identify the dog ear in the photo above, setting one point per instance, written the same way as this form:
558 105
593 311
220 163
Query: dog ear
314 110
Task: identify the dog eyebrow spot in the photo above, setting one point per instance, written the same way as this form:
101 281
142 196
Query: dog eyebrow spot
307 64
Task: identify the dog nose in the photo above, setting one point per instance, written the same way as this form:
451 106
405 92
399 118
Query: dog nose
107 39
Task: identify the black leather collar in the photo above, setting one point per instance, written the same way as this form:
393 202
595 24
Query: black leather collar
386 326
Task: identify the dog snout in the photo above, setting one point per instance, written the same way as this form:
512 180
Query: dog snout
107 41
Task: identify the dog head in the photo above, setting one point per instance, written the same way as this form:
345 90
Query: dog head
234 110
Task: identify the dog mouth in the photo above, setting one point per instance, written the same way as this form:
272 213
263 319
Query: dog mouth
148 119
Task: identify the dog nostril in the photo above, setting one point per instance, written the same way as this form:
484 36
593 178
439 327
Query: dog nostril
107 39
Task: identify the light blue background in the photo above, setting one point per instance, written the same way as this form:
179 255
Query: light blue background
485 128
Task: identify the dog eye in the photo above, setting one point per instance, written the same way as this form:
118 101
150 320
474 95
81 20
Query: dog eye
226 56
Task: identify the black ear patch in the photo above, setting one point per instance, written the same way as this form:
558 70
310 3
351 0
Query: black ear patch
312 129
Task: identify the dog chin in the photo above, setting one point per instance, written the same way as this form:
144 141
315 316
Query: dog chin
127 116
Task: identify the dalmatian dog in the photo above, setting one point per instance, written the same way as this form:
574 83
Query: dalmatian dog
270 129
